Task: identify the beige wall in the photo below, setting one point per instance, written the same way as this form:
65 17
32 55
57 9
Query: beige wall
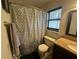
5 48
67 6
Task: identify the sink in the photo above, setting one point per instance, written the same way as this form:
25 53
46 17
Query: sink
72 47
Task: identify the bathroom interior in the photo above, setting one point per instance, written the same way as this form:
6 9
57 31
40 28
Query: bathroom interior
38 29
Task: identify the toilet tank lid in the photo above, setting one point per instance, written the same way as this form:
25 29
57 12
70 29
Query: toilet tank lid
43 47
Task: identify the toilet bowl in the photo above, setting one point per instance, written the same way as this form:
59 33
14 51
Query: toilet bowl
42 49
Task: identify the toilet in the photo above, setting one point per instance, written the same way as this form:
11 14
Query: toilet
44 48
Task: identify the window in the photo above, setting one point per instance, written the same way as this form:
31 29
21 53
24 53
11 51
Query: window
54 17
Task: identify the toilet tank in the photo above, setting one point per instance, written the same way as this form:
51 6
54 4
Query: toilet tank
49 41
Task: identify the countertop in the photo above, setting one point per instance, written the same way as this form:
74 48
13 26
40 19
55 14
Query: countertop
63 42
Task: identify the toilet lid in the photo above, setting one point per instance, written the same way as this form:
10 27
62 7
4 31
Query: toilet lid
43 48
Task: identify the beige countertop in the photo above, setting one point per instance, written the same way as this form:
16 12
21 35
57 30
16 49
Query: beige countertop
65 43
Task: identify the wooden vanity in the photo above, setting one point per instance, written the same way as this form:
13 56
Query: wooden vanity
63 48
61 53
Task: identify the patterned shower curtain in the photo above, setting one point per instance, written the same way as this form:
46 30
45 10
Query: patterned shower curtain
31 26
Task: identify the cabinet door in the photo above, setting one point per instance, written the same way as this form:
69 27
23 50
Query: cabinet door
61 53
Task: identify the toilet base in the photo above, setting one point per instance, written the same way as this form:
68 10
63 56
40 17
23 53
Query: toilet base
47 55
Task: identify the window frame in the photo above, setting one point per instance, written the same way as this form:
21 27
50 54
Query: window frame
54 29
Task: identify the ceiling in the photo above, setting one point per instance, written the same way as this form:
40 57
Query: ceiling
37 3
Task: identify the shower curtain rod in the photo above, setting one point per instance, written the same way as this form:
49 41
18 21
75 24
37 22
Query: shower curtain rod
27 5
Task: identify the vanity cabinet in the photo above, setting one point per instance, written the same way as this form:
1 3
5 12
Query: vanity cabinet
61 53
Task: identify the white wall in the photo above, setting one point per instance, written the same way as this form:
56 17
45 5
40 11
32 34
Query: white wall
67 5
5 47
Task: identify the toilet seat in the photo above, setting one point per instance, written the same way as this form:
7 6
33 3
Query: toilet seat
43 48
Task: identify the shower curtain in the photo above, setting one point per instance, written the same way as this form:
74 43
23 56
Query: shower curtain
31 26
